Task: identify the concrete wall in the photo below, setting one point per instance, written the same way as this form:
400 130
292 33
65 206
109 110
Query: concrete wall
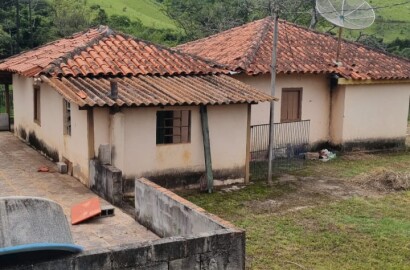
218 250
167 214
48 135
133 138
315 100
370 113
338 112
376 111
210 244
101 127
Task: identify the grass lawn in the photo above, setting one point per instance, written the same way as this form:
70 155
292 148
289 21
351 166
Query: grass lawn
391 22
355 233
148 11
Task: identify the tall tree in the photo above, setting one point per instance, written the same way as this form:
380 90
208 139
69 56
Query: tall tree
70 16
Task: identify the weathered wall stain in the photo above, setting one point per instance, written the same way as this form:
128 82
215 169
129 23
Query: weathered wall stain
362 145
183 178
41 146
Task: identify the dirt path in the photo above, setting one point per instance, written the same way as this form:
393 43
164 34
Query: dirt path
310 192
304 192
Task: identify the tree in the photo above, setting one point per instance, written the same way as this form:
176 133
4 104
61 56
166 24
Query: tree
70 16
24 24
100 16
206 17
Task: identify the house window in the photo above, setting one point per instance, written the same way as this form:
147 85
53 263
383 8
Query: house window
67 117
173 127
37 104
291 105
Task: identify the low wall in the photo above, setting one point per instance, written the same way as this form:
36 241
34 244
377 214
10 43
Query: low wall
219 250
106 181
167 214
195 239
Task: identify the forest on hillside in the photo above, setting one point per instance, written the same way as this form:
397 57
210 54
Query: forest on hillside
26 24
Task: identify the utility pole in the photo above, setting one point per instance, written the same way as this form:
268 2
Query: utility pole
273 91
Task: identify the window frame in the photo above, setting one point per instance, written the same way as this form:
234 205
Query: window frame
37 104
161 139
292 89
67 127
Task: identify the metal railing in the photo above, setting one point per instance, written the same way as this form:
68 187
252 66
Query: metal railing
290 142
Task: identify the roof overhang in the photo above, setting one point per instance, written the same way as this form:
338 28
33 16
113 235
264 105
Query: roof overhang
146 91
343 81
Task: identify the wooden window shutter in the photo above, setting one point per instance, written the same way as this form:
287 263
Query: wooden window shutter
291 105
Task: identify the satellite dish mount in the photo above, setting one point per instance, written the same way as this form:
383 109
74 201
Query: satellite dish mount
350 14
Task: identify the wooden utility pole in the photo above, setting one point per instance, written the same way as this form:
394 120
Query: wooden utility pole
273 92
207 147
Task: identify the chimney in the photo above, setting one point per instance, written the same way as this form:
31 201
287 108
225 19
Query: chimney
114 89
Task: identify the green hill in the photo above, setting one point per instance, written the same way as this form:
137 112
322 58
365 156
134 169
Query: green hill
391 22
148 11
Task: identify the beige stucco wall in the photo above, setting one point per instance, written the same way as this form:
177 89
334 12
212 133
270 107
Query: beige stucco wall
50 131
337 115
375 111
315 100
101 127
139 155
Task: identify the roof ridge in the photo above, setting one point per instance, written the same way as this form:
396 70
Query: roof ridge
72 36
104 31
217 34
249 56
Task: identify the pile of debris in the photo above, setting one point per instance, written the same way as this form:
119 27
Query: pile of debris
386 180
323 155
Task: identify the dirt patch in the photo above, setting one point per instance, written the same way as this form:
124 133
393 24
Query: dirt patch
309 192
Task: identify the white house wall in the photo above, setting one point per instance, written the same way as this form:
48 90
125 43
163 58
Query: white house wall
375 111
315 100
101 127
338 112
50 131
139 155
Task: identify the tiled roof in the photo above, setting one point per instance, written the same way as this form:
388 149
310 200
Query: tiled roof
248 48
101 51
147 90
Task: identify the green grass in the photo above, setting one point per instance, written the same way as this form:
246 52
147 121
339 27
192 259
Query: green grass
357 233
148 11
391 23
344 167
353 234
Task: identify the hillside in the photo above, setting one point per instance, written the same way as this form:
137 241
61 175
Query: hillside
148 11
391 22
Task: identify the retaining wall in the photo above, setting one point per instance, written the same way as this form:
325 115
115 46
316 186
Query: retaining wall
195 239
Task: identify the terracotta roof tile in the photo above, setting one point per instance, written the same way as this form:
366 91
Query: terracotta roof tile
248 48
148 90
101 51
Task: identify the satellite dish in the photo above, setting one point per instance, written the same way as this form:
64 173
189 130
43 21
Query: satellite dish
350 14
